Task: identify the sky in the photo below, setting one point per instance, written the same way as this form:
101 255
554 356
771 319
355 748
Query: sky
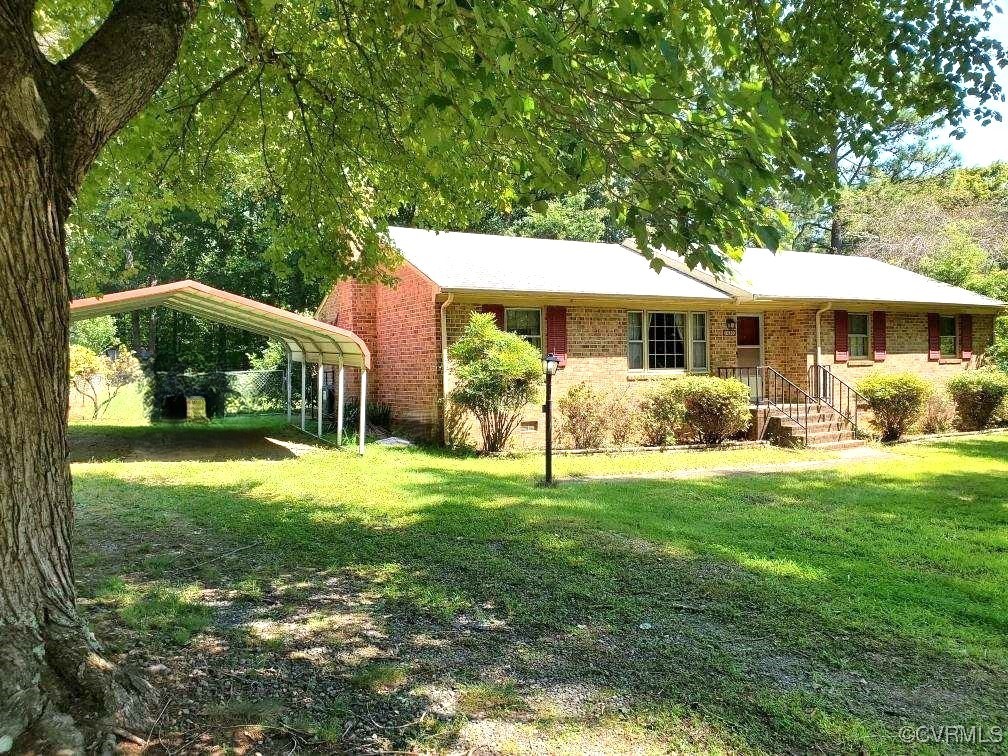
983 145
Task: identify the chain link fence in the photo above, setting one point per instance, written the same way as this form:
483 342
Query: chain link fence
256 392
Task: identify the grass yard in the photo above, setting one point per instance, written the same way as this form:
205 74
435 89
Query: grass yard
126 408
284 596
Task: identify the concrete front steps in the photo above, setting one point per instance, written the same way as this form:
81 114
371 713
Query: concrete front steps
827 429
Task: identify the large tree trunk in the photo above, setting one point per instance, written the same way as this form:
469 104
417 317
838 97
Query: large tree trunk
57 693
50 661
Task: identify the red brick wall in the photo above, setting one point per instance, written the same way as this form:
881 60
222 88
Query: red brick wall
906 348
789 343
399 324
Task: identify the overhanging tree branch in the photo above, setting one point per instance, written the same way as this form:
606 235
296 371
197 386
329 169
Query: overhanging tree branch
112 76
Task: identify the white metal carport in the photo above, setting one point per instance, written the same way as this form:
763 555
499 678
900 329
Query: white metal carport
306 339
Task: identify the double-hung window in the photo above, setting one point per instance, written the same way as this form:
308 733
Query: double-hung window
635 340
947 336
858 324
698 342
526 323
667 341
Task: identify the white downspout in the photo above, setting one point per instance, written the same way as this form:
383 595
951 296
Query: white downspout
444 362
818 344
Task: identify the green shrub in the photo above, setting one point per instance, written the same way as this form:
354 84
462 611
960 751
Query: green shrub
496 375
896 399
977 395
662 412
379 415
714 409
938 414
584 417
997 352
624 420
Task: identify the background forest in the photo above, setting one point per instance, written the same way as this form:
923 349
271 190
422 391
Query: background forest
916 210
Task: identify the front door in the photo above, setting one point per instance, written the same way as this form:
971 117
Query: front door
750 351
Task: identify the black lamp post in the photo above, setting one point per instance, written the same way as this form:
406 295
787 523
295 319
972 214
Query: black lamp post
550 364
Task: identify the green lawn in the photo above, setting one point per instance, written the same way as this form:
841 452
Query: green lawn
126 408
417 600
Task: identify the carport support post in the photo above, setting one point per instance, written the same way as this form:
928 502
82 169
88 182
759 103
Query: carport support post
363 411
288 386
339 406
318 397
304 388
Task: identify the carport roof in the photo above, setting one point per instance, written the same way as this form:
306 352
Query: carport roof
308 340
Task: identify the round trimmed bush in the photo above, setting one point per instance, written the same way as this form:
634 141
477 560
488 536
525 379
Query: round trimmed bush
977 395
661 413
896 400
714 409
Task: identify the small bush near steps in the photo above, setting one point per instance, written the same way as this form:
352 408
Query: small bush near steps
938 415
977 395
714 409
701 409
896 400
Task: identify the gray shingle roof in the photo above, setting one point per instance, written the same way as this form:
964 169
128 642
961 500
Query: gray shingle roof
809 275
462 262
483 262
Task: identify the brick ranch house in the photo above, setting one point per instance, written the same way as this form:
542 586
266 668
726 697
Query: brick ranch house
818 323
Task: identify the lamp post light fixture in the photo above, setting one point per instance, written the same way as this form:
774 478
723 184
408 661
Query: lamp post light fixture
550 364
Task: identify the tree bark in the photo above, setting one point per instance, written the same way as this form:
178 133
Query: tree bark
57 693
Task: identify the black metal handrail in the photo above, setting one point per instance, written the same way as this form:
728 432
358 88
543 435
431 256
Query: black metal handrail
778 392
836 393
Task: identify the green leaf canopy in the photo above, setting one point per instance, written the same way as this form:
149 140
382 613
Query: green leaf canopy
692 114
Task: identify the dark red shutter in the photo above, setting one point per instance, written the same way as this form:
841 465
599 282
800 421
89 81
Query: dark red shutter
878 335
556 333
841 349
966 336
934 343
497 311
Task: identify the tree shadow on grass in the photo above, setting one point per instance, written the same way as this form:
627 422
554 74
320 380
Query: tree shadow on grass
803 612
175 442
981 447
